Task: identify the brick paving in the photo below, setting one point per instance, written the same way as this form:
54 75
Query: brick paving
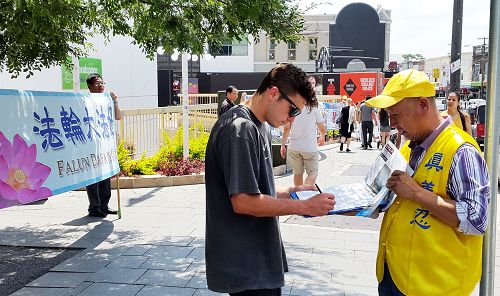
157 248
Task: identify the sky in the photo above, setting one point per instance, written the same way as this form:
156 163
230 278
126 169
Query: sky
423 26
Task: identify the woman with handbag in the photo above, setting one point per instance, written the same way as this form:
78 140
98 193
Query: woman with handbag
347 122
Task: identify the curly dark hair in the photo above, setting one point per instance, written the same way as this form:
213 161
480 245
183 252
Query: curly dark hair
290 79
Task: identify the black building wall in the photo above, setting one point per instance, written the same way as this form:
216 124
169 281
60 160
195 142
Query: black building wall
165 93
214 82
358 33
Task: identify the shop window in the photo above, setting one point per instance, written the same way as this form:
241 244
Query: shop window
232 48
271 54
292 51
313 48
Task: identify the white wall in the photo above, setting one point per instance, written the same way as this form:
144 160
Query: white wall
125 69
225 64
47 79
437 63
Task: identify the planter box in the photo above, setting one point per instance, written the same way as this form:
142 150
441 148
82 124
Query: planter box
148 181
157 181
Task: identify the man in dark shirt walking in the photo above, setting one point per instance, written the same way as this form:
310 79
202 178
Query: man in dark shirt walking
228 103
367 120
244 252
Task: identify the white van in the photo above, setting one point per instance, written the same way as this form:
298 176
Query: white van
476 102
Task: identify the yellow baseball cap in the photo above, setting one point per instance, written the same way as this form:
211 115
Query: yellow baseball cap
406 84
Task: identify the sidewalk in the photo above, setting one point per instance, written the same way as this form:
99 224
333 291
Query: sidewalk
157 248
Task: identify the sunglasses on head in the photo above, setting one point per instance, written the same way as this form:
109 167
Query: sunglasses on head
295 111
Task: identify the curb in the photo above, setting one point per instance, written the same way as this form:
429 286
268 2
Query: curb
148 181
157 181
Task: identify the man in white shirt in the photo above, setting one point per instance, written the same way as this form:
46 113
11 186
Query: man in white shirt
303 146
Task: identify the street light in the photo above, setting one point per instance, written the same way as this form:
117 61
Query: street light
185 105
482 65
185 99
160 50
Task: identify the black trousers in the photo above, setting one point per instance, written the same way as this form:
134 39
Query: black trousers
367 129
260 292
387 287
99 194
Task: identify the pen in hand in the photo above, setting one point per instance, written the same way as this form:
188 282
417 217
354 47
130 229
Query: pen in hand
317 187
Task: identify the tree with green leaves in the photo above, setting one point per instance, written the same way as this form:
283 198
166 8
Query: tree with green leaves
410 57
36 34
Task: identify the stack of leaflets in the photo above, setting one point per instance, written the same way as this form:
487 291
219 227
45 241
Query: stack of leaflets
371 196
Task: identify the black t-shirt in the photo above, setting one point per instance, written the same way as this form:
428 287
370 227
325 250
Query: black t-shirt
242 252
226 105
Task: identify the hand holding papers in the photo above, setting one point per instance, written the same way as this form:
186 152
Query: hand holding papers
371 196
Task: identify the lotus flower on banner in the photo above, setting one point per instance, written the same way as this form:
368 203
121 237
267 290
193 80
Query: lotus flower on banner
21 176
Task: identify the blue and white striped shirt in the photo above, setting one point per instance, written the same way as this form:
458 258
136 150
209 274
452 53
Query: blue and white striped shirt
468 182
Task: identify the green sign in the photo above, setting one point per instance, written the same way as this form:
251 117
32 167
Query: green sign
67 76
86 66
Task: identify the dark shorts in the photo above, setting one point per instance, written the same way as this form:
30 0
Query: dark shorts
385 129
344 130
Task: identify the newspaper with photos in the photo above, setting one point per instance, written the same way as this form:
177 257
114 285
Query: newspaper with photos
371 196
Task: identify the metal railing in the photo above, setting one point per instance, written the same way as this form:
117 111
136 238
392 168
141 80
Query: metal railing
200 99
143 129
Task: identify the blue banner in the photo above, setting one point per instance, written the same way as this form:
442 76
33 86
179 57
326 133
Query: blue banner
53 142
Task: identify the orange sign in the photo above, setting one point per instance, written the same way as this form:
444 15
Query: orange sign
358 85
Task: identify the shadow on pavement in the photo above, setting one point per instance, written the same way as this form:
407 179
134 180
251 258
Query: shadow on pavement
143 197
21 265
29 252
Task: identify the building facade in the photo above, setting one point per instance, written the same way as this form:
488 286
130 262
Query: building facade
317 34
438 69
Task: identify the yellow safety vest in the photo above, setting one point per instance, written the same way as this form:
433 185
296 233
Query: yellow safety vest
425 256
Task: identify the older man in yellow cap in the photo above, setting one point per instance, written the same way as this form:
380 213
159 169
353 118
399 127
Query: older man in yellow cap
431 237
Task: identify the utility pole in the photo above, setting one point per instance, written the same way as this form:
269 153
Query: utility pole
482 65
456 46
491 149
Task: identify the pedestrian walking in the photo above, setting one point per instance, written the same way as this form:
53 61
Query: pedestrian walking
347 123
303 147
367 119
228 103
460 119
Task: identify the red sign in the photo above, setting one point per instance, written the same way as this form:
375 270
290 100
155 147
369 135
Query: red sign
358 85
330 90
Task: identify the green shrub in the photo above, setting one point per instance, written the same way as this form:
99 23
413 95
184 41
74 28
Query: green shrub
197 146
143 166
168 157
124 157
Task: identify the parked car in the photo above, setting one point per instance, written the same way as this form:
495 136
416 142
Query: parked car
478 128
476 102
